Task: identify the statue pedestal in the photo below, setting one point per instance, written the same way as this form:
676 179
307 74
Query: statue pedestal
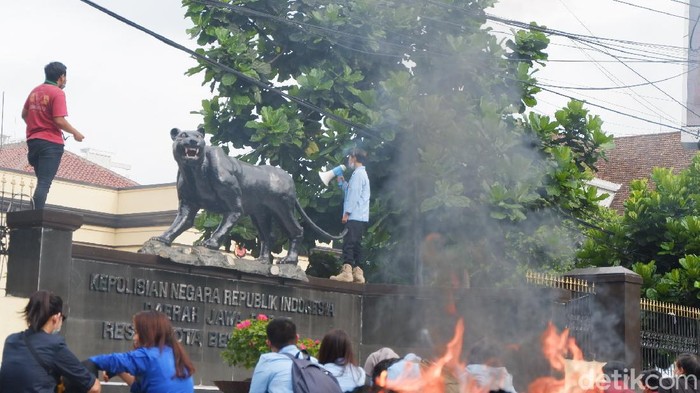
202 256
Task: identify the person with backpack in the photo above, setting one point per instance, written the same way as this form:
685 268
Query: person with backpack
287 369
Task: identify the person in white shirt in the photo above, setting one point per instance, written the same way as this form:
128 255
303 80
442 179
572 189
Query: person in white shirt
355 217
336 356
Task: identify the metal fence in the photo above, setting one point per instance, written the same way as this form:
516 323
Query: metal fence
575 310
667 330
15 195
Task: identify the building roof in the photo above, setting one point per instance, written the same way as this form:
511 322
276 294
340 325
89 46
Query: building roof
13 156
635 156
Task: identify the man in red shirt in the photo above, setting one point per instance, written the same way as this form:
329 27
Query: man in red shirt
45 114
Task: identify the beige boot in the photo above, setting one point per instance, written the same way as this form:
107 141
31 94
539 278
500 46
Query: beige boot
345 274
358 275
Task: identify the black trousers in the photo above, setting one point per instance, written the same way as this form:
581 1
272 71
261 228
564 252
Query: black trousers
352 242
45 157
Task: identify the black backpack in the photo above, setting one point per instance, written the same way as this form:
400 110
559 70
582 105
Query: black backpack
310 377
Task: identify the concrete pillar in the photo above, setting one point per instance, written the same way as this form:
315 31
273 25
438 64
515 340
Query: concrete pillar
616 313
39 256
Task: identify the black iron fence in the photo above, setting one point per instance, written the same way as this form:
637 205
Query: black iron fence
667 330
573 310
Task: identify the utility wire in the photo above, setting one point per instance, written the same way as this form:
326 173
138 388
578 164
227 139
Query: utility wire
652 84
686 4
585 98
635 59
262 14
695 134
652 9
631 93
637 52
599 88
361 129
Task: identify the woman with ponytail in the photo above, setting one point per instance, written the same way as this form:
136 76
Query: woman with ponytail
158 363
35 360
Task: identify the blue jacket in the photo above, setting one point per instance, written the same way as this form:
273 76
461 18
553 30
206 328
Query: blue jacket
357 194
154 370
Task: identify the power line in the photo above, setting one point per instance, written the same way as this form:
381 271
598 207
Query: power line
635 59
697 135
361 129
622 86
261 14
686 4
651 107
652 9
652 84
637 52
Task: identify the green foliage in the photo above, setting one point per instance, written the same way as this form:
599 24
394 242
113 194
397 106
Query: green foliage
450 148
323 264
248 341
658 236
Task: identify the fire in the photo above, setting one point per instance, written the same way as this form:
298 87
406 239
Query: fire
579 376
432 379
446 374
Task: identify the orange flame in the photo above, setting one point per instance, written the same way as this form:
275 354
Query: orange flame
560 350
431 379
579 376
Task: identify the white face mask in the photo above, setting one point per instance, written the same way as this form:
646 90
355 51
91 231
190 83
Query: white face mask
57 330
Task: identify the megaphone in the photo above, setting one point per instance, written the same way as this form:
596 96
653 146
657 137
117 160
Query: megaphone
327 176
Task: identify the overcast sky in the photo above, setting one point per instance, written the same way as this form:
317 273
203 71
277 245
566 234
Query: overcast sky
126 90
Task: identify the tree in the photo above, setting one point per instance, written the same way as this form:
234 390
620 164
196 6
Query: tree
658 235
437 102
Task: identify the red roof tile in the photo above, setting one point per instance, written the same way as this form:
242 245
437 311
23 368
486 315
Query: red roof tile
635 156
73 167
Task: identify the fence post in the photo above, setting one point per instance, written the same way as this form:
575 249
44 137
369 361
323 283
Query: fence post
39 256
616 314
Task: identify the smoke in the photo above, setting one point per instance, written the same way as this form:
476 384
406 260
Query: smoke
466 194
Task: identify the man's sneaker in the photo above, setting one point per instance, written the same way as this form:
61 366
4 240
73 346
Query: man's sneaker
345 274
358 275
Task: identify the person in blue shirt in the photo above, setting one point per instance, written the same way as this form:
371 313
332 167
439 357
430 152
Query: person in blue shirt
273 373
158 364
355 217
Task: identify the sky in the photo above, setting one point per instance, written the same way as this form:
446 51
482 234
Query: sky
126 90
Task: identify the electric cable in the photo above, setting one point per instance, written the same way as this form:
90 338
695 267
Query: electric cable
652 9
360 129
601 88
652 84
686 4
638 53
631 93
695 134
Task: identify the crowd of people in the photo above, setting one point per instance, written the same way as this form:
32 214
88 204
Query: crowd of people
37 360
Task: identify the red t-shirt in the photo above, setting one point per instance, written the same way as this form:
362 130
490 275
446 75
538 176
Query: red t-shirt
44 103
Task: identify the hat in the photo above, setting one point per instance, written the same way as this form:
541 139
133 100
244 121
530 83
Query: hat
378 356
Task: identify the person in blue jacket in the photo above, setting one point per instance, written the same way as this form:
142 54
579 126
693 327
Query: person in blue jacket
158 364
